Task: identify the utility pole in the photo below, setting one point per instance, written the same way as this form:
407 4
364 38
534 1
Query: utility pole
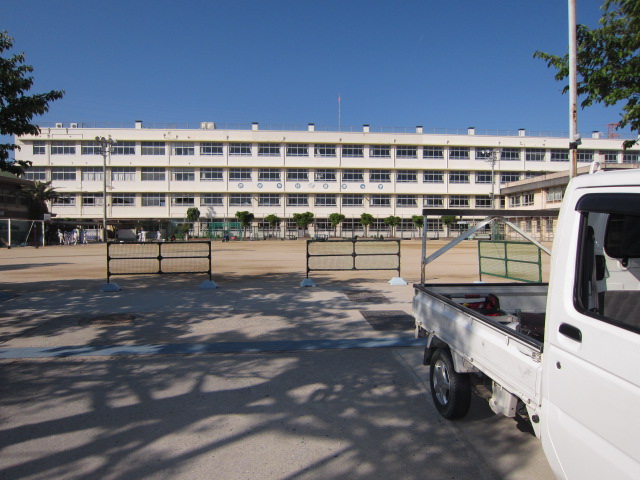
106 146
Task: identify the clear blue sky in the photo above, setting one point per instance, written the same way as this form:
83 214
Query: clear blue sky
401 63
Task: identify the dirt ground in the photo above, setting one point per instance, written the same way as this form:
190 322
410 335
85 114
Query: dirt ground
84 265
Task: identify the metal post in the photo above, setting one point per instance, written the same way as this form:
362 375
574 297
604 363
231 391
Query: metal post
574 137
106 146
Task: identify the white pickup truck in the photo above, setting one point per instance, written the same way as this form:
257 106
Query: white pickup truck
567 355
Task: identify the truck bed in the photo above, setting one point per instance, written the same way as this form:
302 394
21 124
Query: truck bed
488 344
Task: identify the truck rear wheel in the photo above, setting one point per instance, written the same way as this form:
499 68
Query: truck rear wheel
451 391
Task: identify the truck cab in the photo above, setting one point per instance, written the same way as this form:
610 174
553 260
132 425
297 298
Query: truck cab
590 415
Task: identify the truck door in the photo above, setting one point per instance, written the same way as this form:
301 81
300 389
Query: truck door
592 354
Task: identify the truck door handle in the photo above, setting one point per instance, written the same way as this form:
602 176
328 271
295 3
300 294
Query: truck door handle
570 331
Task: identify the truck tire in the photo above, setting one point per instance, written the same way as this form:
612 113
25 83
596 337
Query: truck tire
450 390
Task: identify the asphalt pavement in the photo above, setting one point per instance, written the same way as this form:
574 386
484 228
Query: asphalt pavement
260 378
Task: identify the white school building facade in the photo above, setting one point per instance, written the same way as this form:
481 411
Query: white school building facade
155 173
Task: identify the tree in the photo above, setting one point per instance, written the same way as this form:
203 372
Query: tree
245 218
392 221
273 221
193 215
447 221
608 65
418 221
335 219
16 108
303 220
366 219
40 193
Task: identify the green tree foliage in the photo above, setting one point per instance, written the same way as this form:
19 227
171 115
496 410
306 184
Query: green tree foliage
303 220
16 108
418 221
336 219
448 220
40 193
392 221
608 65
273 221
245 218
366 219
193 214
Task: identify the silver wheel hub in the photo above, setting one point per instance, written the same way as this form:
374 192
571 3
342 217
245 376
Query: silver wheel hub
441 383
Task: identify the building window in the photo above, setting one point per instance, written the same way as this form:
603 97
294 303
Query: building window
459 177
269 200
325 175
352 200
585 156
92 174
534 154
183 175
123 200
529 174
407 176
211 175
92 200
152 148
459 153
380 201
459 201
433 176
65 200
380 151
240 149
154 200
630 157
510 154
297 200
483 177
406 151
152 174
297 150
514 201
433 201
240 200
610 157
39 147
183 148
268 150
123 174
210 148
63 148
268 175
559 155
352 175
380 176
325 150
527 199
506 177
325 200
352 151
90 148
124 148
183 199
211 200
433 152
63 174
297 175
404 201
36 174
240 175
555 194
483 201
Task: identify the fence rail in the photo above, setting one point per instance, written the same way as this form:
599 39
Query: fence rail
151 258
338 255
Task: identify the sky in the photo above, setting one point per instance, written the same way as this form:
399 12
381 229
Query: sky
448 64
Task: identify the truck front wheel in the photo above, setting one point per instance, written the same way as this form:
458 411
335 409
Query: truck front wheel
451 391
